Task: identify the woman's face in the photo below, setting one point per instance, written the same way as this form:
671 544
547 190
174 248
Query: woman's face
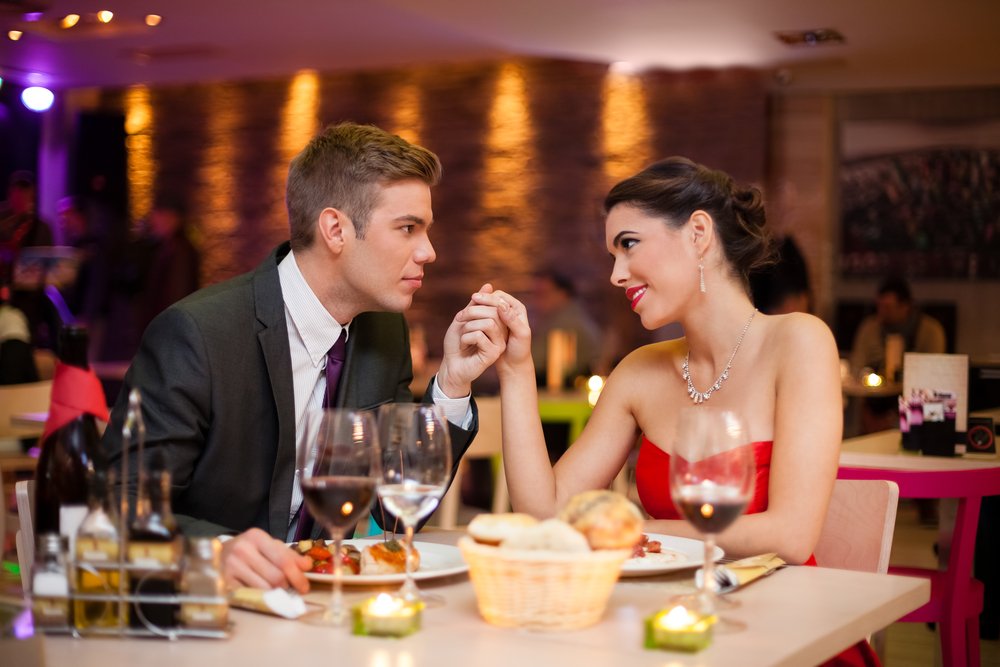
653 264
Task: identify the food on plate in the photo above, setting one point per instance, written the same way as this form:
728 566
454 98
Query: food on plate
387 558
646 546
321 554
607 519
493 529
379 558
549 535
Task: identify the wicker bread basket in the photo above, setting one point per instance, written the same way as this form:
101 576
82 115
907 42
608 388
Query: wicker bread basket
541 590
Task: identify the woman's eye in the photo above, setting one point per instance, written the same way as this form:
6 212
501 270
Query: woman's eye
628 243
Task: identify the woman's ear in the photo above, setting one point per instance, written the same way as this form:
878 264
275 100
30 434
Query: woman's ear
331 227
702 229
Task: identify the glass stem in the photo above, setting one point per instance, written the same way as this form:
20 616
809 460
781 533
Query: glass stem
335 612
409 589
710 587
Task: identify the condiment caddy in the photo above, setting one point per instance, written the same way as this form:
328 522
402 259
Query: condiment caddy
110 577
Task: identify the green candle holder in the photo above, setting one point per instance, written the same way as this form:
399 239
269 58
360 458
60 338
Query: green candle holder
679 629
386 616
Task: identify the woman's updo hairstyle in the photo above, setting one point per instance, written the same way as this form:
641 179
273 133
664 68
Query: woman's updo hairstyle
676 187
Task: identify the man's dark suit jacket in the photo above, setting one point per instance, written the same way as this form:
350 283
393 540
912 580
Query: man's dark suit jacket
215 375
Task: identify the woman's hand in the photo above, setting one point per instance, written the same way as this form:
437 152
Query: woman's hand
515 317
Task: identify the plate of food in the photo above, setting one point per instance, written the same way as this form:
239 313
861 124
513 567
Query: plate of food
373 561
657 554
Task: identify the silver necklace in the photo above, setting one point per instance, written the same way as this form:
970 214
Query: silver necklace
700 397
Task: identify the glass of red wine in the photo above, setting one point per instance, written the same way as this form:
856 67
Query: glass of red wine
711 480
338 468
416 466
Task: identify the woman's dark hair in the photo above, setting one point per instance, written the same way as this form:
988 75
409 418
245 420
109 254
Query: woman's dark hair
676 187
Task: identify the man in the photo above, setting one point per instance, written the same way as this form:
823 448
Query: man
895 314
228 374
556 307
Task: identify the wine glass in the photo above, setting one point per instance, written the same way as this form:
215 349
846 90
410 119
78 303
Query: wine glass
338 468
711 480
416 464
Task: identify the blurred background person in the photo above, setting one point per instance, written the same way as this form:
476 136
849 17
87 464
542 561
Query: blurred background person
20 228
895 313
172 271
85 296
783 287
555 307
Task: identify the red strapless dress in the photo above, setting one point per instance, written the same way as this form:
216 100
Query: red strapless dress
652 472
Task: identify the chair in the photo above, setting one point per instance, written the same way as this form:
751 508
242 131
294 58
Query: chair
25 537
860 521
857 532
15 399
487 444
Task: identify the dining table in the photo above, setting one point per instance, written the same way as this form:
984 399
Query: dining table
796 616
957 597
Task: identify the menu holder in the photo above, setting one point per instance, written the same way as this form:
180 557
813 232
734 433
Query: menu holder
933 409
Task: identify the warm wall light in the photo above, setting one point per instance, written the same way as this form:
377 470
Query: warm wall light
14 35
37 98
69 21
104 16
153 20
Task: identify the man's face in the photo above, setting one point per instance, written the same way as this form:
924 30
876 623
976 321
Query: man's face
891 311
386 268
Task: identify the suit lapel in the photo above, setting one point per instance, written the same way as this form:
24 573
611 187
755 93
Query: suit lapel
273 340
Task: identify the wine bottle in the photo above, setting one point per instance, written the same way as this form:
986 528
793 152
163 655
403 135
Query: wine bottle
154 549
97 559
71 442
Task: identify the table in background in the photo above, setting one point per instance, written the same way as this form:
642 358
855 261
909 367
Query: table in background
570 407
797 616
968 480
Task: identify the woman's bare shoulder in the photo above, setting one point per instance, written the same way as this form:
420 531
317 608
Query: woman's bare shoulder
652 356
800 330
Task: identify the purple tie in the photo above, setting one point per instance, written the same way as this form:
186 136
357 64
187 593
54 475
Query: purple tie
334 364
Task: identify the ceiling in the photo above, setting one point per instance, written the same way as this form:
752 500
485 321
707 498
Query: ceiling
889 43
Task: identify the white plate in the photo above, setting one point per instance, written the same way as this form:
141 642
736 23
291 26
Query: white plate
689 553
436 560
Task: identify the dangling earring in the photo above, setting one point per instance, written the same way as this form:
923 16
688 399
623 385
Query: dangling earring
701 277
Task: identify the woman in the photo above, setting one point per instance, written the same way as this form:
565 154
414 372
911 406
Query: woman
684 239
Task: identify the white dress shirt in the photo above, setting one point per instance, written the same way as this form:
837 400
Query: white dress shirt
312 331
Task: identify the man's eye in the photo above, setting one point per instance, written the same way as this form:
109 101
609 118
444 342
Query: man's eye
408 228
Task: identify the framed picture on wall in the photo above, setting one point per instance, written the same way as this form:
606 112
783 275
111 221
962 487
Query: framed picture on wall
920 199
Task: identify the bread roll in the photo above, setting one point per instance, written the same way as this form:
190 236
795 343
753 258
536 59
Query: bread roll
608 520
549 535
493 529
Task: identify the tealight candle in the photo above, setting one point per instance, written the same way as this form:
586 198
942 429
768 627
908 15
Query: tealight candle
679 629
386 616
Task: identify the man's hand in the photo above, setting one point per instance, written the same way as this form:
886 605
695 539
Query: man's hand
473 342
256 559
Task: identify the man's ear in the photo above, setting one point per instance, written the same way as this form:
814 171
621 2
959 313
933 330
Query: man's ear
331 228
702 230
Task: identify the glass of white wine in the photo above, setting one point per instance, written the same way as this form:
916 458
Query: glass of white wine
416 466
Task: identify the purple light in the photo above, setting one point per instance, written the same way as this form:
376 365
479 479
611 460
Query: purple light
37 98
